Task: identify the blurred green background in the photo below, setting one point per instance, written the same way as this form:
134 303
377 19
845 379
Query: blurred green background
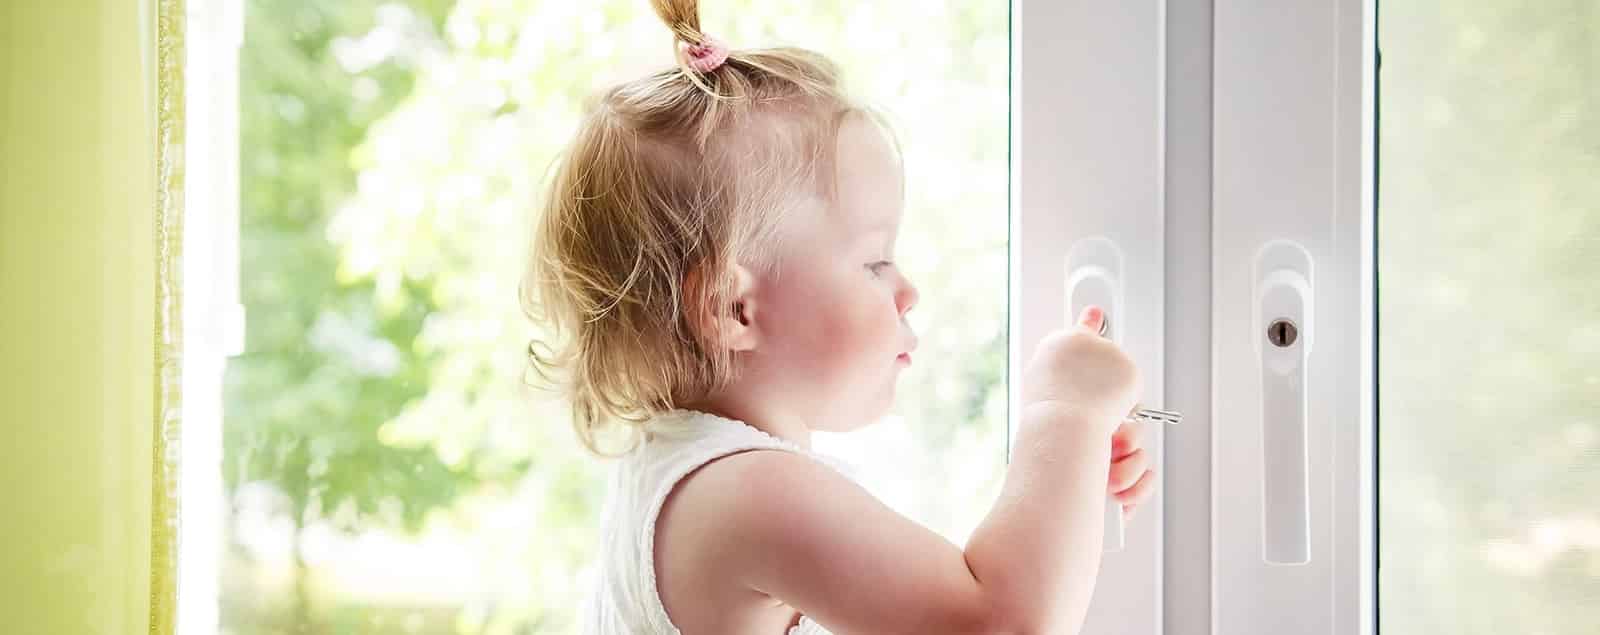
386 469
1489 317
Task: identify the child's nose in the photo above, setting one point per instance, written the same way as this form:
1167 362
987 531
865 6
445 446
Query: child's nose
907 297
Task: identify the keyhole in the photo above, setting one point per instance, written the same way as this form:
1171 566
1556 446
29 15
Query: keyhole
1282 333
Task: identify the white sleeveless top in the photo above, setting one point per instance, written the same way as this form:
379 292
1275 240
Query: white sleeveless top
624 599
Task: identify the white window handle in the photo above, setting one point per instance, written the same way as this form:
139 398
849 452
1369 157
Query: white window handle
1283 343
1094 277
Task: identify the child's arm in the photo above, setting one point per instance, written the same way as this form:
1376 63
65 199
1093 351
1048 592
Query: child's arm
798 531
1040 545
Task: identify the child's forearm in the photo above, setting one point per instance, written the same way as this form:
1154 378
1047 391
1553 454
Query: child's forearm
1037 553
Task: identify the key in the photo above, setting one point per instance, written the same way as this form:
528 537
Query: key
1114 531
1151 415
1148 415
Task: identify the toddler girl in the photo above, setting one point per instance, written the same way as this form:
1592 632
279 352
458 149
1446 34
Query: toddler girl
716 256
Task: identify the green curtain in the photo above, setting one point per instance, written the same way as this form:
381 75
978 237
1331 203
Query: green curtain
90 202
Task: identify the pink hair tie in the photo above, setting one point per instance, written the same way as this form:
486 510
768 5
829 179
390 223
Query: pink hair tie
708 55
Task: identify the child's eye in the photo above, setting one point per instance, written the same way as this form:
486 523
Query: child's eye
878 266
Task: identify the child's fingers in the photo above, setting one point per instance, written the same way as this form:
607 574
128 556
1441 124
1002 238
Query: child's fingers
1141 491
1091 318
1125 472
1126 439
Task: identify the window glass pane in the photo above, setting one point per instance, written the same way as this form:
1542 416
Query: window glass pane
1489 309
385 468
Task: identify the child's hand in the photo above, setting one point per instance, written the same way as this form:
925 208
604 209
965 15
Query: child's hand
1132 480
1076 368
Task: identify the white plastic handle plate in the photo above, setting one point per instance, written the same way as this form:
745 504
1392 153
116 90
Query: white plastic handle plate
1094 277
1284 292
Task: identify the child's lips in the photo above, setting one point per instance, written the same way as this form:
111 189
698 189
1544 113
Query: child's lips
905 358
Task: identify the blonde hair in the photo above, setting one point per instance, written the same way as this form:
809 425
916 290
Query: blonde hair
672 178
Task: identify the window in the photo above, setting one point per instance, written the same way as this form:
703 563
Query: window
1212 170
1489 314
1441 477
383 469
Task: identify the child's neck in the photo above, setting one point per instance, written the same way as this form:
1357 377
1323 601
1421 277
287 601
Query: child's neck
777 422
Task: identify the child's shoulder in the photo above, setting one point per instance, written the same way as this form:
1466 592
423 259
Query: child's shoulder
738 521
746 494
749 489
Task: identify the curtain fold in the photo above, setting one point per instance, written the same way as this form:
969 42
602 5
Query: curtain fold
169 209
91 125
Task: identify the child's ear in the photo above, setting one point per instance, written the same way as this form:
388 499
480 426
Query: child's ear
732 322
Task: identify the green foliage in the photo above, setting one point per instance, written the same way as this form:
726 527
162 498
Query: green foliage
324 366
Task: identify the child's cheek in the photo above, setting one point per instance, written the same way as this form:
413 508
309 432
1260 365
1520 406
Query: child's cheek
849 321
866 324
819 321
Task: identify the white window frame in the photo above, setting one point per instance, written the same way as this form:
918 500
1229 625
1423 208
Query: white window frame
1188 137
1087 208
213 314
